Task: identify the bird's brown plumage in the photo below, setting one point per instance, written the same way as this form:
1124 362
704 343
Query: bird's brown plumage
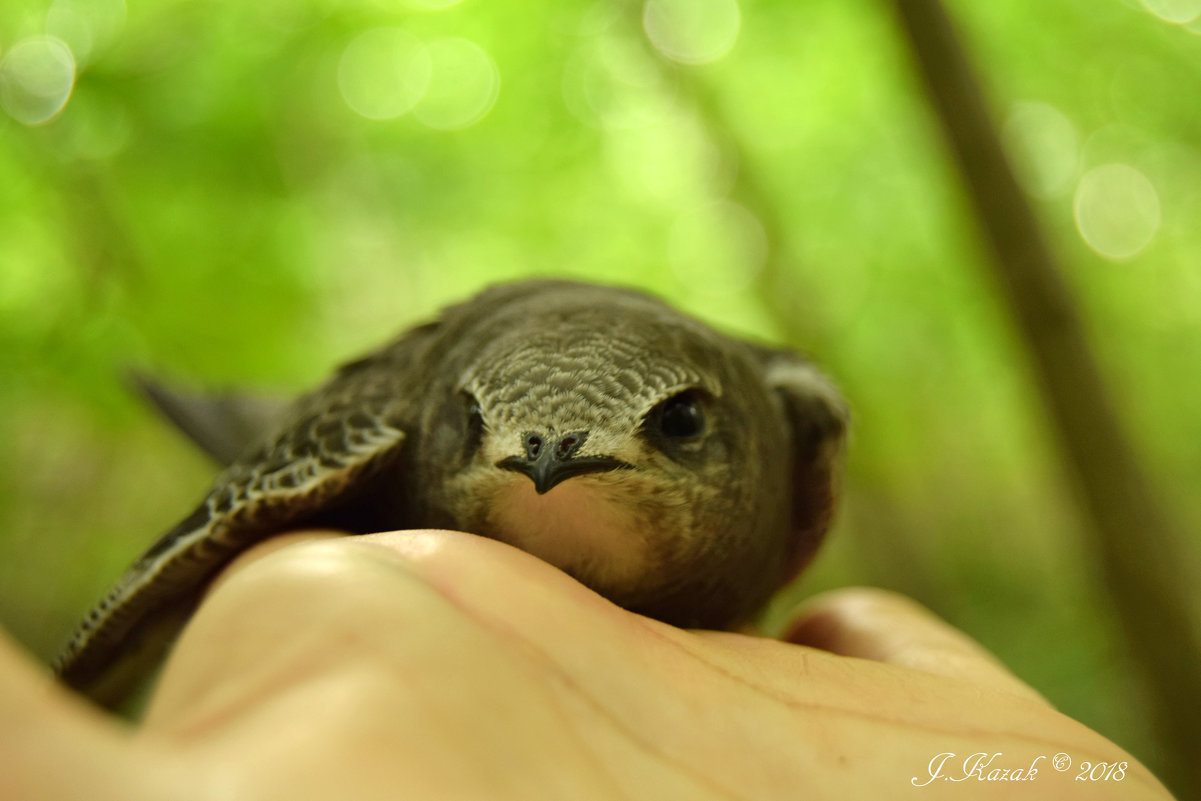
694 472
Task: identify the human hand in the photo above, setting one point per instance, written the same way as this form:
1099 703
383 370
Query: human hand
439 665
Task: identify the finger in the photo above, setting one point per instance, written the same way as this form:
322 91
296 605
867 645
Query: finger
887 627
305 606
310 600
55 747
270 546
283 602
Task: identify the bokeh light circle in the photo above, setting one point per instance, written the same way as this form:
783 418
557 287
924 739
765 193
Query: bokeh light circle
36 79
86 26
464 84
1117 210
614 83
1044 147
383 72
1176 11
692 31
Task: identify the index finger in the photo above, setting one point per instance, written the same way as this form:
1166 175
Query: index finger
887 627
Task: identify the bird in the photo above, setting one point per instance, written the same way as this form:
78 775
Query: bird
680 472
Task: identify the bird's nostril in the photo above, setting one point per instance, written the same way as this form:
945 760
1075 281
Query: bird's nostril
567 446
533 445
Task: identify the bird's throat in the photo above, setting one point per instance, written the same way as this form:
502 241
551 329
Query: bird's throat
579 526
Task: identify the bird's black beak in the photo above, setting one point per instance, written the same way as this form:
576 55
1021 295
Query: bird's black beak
548 461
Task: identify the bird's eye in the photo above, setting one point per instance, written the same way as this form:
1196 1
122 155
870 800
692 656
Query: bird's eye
681 417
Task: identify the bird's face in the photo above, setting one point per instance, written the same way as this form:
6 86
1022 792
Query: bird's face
606 457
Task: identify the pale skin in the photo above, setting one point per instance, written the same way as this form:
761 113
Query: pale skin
437 665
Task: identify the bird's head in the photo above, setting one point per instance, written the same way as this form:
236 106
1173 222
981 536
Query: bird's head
648 457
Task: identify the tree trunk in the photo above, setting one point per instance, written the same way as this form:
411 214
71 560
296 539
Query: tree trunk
1135 542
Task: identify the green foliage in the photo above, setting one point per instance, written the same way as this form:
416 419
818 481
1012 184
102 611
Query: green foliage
208 204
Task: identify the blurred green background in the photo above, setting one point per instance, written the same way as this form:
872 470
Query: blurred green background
244 194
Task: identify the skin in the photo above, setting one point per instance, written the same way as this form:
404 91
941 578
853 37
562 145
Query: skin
433 664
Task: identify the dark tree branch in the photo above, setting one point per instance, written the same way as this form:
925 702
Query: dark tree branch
1136 542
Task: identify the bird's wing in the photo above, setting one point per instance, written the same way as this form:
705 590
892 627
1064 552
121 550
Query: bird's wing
334 441
818 417
222 425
